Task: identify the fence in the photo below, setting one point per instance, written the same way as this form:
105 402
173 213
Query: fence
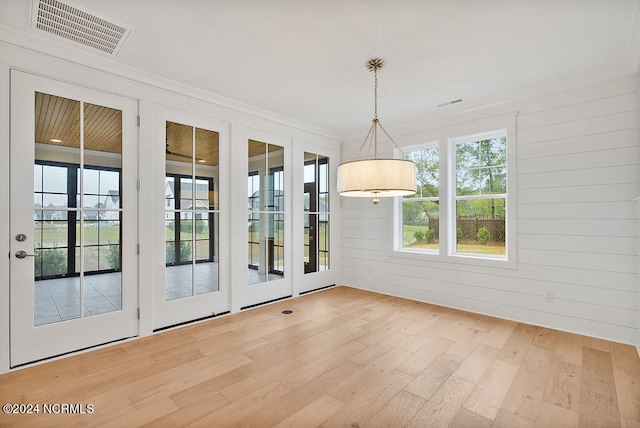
470 227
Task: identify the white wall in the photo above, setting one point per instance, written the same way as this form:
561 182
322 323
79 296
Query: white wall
577 175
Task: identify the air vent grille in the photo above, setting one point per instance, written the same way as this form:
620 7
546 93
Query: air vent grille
448 103
79 25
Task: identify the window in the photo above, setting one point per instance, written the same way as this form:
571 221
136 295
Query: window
57 233
180 238
421 212
481 194
461 204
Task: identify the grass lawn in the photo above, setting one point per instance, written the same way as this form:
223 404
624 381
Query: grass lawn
409 241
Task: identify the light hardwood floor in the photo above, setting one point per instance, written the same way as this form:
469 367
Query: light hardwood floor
345 357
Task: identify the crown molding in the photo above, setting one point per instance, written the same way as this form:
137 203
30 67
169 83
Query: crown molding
107 64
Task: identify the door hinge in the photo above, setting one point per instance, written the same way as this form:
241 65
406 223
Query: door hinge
138 249
138 184
138 121
138 313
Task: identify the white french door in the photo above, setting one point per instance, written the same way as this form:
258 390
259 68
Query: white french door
190 218
261 246
73 218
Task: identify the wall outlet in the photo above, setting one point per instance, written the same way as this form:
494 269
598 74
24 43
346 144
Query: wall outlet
549 297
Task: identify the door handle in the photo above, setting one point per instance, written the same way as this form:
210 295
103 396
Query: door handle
22 254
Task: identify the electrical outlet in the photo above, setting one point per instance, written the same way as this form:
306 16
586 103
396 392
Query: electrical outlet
549 297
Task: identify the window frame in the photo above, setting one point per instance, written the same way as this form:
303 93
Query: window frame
399 227
452 144
446 139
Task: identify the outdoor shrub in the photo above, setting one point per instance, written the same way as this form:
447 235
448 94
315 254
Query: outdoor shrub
429 236
185 252
458 235
483 235
170 254
199 226
419 235
113 257
50 262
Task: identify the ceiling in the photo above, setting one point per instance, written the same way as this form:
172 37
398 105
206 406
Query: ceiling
305 59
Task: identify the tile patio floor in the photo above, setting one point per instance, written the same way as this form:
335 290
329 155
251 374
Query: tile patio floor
59 299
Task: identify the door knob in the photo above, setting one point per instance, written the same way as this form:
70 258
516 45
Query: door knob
22 254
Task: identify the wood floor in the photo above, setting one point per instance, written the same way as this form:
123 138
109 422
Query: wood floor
344 357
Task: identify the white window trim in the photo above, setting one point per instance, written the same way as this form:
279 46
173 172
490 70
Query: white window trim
446 144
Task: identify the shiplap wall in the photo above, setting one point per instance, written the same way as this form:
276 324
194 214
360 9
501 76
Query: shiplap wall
577 177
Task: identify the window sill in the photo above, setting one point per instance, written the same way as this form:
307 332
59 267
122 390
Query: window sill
501 262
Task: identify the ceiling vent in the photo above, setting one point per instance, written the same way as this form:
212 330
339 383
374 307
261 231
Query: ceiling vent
448 103
78 25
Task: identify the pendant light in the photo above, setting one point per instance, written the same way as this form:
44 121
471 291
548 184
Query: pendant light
376 178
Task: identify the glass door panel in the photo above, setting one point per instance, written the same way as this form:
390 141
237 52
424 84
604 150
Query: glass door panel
191 211
316 213
265 201
191 205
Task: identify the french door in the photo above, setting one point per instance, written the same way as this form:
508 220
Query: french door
192 221
73 218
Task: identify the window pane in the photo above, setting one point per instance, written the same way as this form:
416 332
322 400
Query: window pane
493 152
109 257
90 231
186 251
310 173
493 180
91 182
54 179
54 234
480 226
323 170
480 167
54 201
169 187
37 178
109 183
421 225
51 262
202 190
323 241
202 249
186 224
109 230
427 172
305 240
90 258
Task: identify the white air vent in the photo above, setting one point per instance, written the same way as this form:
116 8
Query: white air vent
81 26
448 103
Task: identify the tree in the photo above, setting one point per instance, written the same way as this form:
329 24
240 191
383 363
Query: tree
481 170
427 178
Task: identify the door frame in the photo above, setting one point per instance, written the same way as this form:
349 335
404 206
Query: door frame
80 333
